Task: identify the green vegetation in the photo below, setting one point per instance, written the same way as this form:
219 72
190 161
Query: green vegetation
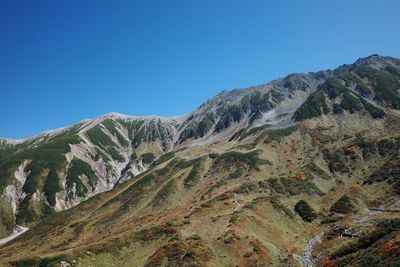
250 159
148 158
295 82
150 132
163 171
337 161
99 154
76 169
352 81
42 262
278 206
279 133
234 217
132 126
385 230
375 112
388 172
312 171
111 127
314 106
194 173
348 78
337 109
167 169
101 139
200 129
247 188
213 155
351 102
46 160
205 125
225 196
251 131
164 193
331 218
231 114
7 223
291 187
343 205
305 211
145 180
164 158
140 132
393 71
385 85
237 173
256 104
275 202
333 88
208 203
363 90
130 197
115 154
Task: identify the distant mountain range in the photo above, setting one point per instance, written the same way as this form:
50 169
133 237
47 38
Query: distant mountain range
303 170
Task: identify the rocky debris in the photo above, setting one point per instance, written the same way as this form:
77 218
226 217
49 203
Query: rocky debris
306 259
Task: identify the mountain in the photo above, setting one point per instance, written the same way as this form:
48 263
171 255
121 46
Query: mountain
303 170
58 169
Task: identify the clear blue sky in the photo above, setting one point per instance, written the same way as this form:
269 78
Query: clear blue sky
66 60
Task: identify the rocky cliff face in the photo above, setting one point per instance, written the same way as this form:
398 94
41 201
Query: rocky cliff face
272 174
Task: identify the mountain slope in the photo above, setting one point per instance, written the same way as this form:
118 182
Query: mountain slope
250 178
271 103
58 169
366 86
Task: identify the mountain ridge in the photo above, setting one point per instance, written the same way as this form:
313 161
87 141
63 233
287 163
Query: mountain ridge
227 94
